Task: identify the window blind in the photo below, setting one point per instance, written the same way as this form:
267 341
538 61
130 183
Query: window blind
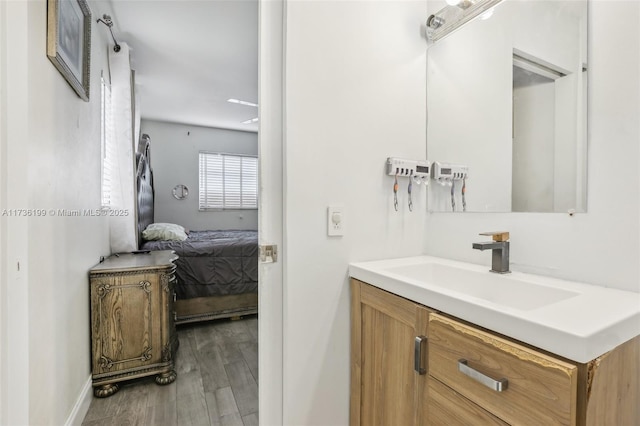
228 181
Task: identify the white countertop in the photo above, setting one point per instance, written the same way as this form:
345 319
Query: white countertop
588 321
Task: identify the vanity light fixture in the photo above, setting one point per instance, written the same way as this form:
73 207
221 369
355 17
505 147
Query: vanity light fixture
456 14
239 102
434 22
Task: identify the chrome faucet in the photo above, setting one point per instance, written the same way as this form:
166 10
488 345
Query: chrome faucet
499 251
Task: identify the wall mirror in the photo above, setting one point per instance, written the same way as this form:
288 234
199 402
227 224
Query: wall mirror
507 97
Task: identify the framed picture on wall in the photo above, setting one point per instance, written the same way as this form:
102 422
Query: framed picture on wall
69 42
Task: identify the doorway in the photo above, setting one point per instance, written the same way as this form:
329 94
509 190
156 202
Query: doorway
269 145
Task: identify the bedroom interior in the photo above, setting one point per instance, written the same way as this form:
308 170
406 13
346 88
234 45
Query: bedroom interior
216 270
352 77
212 230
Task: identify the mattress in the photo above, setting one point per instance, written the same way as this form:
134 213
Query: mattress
214 263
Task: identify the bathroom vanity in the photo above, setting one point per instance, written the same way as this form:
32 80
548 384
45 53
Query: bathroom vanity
423 353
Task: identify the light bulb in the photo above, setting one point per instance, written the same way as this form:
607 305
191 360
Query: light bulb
486 15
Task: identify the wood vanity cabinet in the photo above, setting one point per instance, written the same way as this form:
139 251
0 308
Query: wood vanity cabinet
388 363
132 319
476 376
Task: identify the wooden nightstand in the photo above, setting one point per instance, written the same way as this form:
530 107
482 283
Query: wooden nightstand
132 319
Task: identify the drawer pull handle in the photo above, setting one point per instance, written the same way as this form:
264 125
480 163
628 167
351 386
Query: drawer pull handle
417 355
496 385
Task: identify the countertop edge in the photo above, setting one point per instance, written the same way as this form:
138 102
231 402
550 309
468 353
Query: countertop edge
578 348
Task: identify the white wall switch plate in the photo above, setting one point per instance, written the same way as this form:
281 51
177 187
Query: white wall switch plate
335 220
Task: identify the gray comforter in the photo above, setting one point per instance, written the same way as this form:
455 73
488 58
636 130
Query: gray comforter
214 263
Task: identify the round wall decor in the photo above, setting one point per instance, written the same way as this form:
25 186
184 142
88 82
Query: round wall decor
180 192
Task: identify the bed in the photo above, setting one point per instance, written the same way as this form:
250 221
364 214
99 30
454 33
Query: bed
217 270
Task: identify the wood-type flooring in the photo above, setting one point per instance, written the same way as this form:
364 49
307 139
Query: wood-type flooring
217 384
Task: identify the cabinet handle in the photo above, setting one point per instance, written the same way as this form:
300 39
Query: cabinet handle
417 355
496 385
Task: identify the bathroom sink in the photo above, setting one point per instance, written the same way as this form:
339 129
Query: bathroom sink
576 320
506 290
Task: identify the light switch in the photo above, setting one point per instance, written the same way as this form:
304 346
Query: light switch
335 220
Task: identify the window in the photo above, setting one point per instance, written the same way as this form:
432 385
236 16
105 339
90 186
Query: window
107 146
228 181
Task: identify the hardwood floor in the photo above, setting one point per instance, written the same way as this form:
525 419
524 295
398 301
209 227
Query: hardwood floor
217 384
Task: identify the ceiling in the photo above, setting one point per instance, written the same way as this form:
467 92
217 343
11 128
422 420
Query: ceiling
190 57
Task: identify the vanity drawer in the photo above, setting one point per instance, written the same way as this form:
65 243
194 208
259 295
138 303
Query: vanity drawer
448 407
537 389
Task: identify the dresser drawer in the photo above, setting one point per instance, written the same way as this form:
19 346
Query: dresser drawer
537 389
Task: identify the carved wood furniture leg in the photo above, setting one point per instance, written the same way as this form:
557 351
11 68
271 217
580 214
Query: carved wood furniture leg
105 390
166 378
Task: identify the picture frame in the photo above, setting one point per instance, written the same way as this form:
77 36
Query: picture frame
69 42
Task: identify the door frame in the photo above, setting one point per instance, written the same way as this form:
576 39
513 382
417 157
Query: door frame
270 212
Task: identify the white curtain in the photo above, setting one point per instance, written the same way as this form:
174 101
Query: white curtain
122 232
136 112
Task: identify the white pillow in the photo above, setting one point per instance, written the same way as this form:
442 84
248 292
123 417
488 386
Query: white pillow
164 231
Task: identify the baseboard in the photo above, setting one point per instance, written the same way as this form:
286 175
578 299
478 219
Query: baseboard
81 406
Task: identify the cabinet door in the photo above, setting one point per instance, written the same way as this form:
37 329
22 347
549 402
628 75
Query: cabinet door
125 334
386 389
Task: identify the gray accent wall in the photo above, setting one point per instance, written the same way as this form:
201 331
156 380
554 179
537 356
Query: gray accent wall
174 159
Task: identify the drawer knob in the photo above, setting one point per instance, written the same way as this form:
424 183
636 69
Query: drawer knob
497 385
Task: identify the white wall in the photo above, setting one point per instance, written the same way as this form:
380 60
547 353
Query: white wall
601 246
355 94
174 159
54 160
14 371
